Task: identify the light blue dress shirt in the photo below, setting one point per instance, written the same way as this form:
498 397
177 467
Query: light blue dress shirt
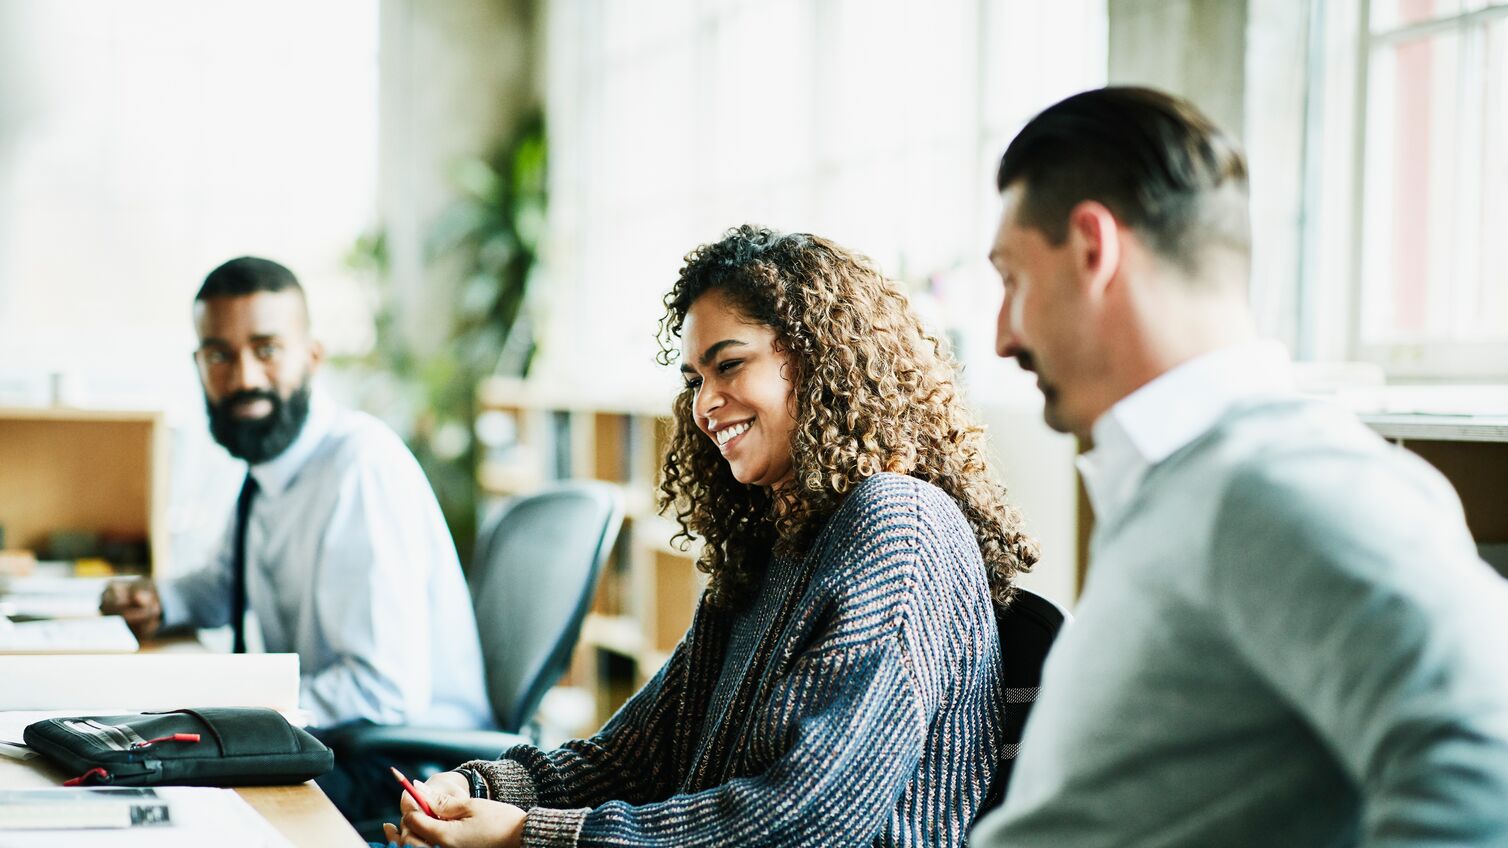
349 564
1286 638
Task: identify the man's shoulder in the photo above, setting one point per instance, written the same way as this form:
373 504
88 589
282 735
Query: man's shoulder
1312 469
1308 444
359 441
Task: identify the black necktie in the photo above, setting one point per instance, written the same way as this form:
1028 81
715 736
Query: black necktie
238 564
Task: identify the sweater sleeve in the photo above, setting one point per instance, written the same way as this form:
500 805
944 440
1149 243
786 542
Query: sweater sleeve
857 731
1354 590
629 758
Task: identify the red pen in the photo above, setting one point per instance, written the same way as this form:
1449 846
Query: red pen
413 791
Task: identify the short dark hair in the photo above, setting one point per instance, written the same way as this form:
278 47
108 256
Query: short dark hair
248 275
1154 160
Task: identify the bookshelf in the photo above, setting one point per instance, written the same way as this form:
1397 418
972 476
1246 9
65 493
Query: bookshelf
98 476
648 591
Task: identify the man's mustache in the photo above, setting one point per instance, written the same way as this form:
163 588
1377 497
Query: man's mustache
246 396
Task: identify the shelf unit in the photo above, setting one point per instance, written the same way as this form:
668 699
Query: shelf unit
91 471
649 588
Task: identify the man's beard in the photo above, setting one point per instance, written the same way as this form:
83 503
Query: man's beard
257 440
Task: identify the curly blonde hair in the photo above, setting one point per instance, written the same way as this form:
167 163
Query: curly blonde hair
873 392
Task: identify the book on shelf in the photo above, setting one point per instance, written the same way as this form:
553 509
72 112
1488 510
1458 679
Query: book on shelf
86 808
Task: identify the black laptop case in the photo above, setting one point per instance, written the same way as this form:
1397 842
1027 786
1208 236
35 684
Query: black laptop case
234 747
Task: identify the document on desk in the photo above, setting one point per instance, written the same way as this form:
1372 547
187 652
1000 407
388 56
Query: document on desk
105 635
134 682
82 808
46 596
199 817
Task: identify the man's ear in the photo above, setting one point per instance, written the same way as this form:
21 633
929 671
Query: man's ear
1095 238
316 355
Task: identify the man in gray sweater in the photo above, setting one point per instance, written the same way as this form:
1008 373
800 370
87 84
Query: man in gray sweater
1287 637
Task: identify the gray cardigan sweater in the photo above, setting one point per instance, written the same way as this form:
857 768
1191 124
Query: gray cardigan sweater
855 701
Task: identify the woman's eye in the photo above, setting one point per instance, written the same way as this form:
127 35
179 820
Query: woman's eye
694 383
728 365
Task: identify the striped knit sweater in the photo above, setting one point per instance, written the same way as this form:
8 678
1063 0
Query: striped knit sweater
855 701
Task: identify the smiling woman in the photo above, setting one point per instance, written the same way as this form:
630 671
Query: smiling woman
868 391
840 684
741 386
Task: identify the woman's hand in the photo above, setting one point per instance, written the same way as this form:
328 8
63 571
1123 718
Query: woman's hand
444 784
459 822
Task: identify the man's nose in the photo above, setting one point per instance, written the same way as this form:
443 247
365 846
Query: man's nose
249 373
1007 345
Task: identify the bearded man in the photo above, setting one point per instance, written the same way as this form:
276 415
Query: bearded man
337 545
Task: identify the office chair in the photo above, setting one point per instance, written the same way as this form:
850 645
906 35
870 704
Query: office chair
1027 628
536 570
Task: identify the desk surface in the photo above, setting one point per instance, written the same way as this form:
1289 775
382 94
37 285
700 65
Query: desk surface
301 813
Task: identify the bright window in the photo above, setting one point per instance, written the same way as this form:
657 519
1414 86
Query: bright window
878 123
1430 283
143 143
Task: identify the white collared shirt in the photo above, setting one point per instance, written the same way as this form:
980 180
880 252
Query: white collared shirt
1175 408
349 564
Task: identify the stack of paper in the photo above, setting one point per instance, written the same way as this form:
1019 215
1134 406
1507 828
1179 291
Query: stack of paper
50 596
105 635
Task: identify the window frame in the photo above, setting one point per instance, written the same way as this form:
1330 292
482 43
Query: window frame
1432 359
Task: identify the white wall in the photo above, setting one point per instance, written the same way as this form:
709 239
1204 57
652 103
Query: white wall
1036 466
456 77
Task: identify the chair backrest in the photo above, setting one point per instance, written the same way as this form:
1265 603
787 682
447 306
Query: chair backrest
1027 630
536 569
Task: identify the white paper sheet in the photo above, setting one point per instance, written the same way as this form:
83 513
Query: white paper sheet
201 817
107 634
132 682
46 595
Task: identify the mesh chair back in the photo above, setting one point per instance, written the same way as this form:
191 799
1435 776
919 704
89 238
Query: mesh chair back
1027 630
536 569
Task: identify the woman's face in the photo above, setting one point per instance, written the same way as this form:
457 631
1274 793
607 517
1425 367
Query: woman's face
743 400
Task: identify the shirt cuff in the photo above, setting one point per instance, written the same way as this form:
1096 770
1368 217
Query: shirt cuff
546 828
175 611
508 781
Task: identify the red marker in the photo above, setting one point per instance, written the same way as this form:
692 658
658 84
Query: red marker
413 792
